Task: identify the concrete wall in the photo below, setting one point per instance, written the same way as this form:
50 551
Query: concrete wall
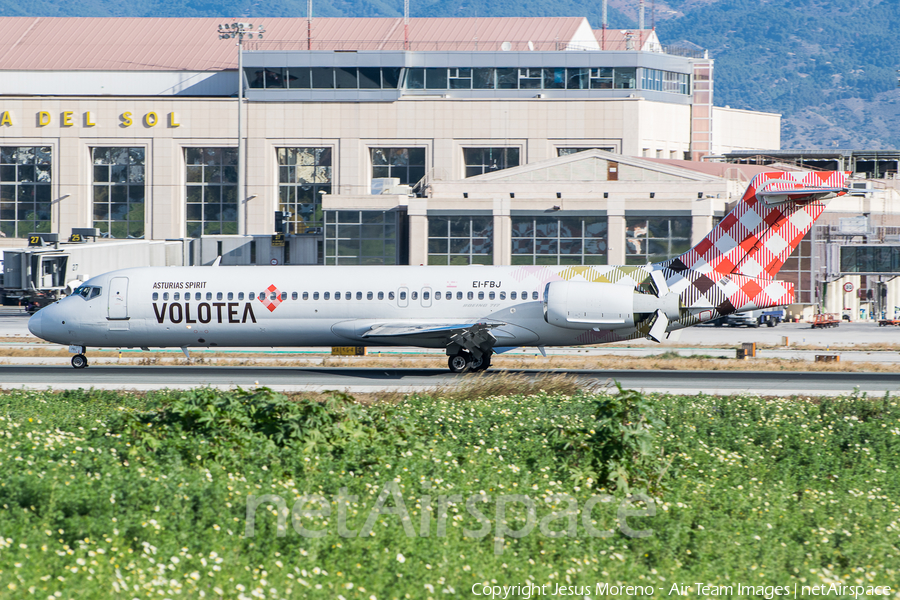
745 130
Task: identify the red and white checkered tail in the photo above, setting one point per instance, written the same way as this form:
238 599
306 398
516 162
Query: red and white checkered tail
755 238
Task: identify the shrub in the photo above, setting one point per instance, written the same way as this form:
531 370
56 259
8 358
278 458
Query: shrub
228 427
620 449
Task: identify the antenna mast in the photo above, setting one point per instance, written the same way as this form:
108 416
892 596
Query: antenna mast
309 24
406 24
641 22
603 21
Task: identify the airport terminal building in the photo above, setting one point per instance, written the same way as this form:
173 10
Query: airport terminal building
447 141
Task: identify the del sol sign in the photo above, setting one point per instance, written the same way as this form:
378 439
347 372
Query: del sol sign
67 118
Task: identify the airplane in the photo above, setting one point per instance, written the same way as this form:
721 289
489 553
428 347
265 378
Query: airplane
472 312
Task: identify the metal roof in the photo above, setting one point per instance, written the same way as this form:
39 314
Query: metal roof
192 44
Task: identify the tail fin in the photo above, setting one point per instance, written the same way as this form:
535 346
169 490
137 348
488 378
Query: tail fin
755 238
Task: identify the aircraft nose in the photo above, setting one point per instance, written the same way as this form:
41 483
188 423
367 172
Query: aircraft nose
34 323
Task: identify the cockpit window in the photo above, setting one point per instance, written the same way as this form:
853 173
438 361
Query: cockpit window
88 291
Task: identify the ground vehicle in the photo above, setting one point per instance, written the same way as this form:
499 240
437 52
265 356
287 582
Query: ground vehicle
754 318
822 320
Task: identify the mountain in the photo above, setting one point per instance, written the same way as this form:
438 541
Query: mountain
828 66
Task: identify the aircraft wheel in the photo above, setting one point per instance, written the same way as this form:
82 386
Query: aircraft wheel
483 363
79 361
460 363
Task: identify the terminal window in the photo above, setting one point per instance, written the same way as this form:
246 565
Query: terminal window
567 151
327 78
666 81
304 175
211 191
361 237
869 259
406 164
462 78
25 178
460 240
556 240
118 191
656 238
488 160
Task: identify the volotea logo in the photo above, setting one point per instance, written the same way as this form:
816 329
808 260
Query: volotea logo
271 298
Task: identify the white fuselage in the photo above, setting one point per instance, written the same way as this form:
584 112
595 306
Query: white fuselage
312 306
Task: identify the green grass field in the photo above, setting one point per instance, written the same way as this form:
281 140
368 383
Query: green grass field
144 496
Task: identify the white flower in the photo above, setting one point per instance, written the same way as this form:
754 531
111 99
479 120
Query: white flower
401 558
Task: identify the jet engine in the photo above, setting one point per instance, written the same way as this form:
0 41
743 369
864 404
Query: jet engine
583 305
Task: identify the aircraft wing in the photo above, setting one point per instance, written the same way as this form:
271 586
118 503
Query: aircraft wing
474 336
428 330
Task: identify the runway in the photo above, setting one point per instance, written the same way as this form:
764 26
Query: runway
358 380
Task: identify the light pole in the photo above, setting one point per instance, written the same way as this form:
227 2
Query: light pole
238 31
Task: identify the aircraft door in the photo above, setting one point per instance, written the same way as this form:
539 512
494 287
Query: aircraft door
426 297
118 298
403 297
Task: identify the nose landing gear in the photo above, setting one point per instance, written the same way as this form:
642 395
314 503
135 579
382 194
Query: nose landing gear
79 361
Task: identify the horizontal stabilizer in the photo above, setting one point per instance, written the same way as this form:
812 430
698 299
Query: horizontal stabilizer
781 191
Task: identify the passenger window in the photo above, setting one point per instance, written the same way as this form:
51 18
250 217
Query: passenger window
306 295
359 295
348 296
470 295
390 295
425 295
219 295
503 295
381 295
293 295
415 295
209 295
230 295
534 295
326 296
155 296
402 295
459 295
240 296
337 295
481 295
370 296
177 296
315 295
490 295
252 296
437 295
165 295
284 296
524 295
512 295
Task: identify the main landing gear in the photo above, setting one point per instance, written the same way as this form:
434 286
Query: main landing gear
79 361
464 361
